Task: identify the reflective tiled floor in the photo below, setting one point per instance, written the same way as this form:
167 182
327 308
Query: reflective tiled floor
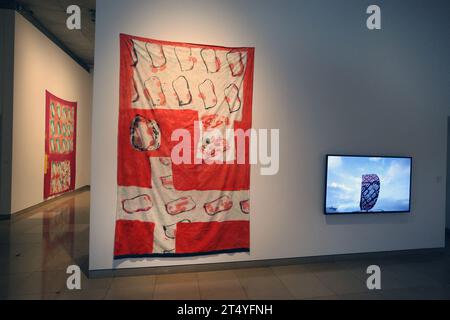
37 247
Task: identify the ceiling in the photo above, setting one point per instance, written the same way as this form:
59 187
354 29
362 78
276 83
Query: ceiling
51 14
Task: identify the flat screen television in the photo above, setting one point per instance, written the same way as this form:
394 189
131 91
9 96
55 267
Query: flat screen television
367 184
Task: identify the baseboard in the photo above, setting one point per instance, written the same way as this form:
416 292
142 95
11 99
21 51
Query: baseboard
22 213
259 263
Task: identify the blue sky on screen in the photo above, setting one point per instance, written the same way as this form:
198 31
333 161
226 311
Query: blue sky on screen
344 183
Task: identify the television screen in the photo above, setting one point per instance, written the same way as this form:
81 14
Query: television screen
363 184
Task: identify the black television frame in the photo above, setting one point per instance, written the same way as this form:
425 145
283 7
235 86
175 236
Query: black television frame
364 212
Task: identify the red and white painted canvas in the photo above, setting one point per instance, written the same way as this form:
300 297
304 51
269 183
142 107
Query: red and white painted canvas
60 145
189 95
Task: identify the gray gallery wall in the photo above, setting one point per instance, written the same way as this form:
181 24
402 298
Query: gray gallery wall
330 85
448 176
7 25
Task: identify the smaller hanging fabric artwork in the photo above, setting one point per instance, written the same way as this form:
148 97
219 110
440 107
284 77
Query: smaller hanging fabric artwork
60 145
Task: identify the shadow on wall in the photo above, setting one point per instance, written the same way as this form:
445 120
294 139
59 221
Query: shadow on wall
187 260
447 198
368 219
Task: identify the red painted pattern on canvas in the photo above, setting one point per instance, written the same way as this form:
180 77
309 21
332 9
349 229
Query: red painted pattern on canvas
189 208
60 145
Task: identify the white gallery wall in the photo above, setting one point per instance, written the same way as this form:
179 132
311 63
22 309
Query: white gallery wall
330 85
40 65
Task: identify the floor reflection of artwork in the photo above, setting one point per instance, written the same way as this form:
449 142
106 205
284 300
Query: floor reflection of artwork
60 146
58 223
166 208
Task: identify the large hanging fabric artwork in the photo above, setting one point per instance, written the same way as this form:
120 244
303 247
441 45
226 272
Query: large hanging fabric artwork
60 145
201 205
